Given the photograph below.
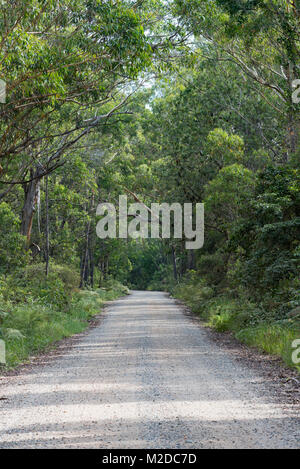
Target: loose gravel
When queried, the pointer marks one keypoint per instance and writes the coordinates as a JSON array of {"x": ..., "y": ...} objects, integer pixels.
[{"x": 147, "y": 376}]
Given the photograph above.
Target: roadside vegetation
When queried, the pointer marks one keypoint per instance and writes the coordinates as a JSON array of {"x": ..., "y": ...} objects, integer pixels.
[
  {"x": 217, "y": 122},
  {"x": 36, "y": 313},
  {"x": 257, "y": 324}
]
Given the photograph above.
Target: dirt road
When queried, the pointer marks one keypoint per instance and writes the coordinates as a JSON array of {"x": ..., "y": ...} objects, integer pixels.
[{"x": 147, "y": 376}]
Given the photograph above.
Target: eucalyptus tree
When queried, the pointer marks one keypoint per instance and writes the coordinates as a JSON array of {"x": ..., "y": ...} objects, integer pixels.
[
  {"x": 64, "y": 65},
  {"x": 262, "y": 37}
]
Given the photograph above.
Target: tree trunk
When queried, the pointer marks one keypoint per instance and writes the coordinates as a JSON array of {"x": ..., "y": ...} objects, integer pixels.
[
  {"x": 47, "y": 228},
  {"x": 174, "y": 263},
  {"x": 91, "y": 267},
  {"x": 293, "y": 114},
  {"x": 82, "y": 269},
  {"x": 293, "y": 132},
  {"x": 183, "y": 258},
  {"x": 85, "y": 260},
  {"x": 87, "y": 268},
  {"x": 191, "y": 259},
  {"x": 105, "y": 268},
  {"x": 31, "y": 192}
]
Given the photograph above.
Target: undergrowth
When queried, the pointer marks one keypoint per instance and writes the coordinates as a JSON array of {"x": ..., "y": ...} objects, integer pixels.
[
  {"x": 35, "y": 314},
  {"x": 267, "y": 329}
]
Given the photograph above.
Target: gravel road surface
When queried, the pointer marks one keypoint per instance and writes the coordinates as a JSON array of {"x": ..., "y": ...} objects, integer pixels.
[{"x": 147, "y": 376}]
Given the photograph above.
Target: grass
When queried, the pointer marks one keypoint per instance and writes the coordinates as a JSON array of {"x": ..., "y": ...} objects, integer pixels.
[
  {"x": 32, "y": 326},
  {"x": 247, "y": 321},
  {"x": 273, "y": 339}
]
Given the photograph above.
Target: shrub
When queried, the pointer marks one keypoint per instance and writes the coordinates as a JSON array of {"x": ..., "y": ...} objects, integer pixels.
[
  {"x": 69, "y": 276},
  {"x": 275, "y": 339},
  {"x": 12, "y": 252},
  {"x": 31, "y": 326},
  {"x": 253, "y": 324}
]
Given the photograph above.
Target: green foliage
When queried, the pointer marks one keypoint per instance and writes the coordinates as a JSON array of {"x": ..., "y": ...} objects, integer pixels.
[
  {"x": 30, "y": 285},
  {"x": 274, "y": 339},
  {"x": 111, "y": 289},
  {"x": 270, "y": 235},
  {"x": 194, "y": 292},
  {"x": 218, "y": 127},
  {"x": 250, "y": 323},
  {"x": 76, "y": 53},
  {"x": 213, "y": 267},
  {"x": 33, "y": 320},
  {"x": 146, "y": 258},
  {"x": 12, "y": 252},
  {"x": 227, "y": 194},
  {"x": 224, "y": 149},
  {"x": 60, "y": 276}
]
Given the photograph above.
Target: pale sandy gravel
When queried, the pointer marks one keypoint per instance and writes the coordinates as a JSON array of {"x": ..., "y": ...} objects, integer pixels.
[{"x": 146, "y": 377}]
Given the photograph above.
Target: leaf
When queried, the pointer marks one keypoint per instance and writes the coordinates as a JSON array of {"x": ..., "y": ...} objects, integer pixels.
[{"x": 13, "y": 334}]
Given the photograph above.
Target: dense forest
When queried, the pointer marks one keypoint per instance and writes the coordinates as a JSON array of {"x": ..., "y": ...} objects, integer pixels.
[{"x": 164, "y": 101}]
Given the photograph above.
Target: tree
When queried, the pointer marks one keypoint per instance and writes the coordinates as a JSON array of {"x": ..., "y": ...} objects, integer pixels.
[{"x": 262, "y": 38}]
